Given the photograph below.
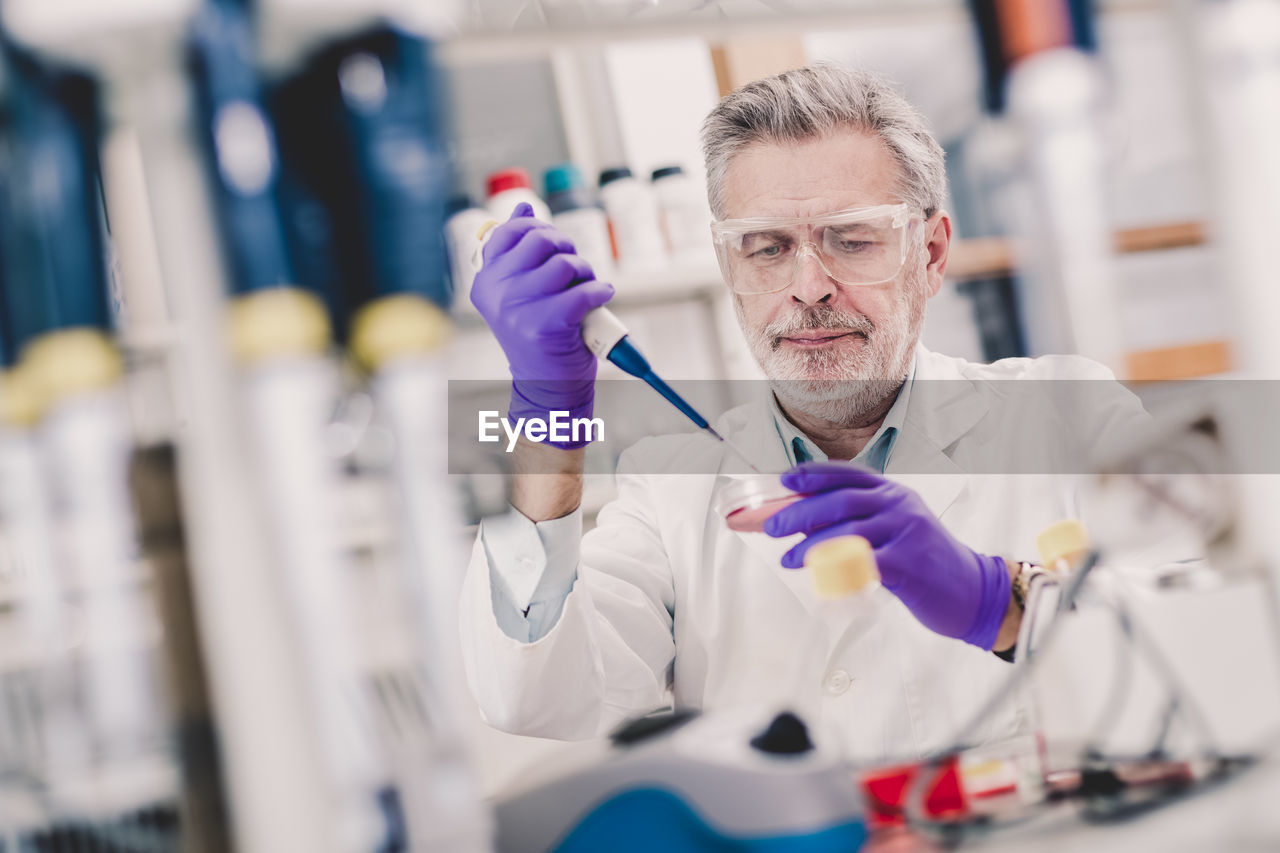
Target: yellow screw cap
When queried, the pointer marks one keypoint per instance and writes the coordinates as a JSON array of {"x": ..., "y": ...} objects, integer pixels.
[
  {"x": 392, "y": 326},
  {"x": 1063, "y": 540},
  {"x": 841, "y": 566},
  {"x": 282, "y": 321},
  {"x": 70, "y": 361}
]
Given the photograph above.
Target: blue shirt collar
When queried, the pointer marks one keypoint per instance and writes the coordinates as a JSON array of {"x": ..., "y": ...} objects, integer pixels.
[{"x": 800, "y": 448}]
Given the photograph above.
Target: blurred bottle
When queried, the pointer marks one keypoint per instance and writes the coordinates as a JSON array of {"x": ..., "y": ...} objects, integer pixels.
[
  {"x": 683, "y": 213},
  {"x": 633, "y": 221},
  {"x": 577, "y": 211},
  {"x": 461, "y": 234},
  {"x": 507, "y": 189}
]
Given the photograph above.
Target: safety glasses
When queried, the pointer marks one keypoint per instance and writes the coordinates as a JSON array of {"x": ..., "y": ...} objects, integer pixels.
[{"x": 859, "y": 246}]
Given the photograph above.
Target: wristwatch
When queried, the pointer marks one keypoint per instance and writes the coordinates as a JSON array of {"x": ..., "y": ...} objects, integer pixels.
[
  {"x": 1027, "y": 572},
  {"x": 1019, "y": 587}
]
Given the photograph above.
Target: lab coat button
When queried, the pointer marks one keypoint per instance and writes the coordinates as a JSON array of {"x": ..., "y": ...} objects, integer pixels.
[{"x": 836, "y": 682}]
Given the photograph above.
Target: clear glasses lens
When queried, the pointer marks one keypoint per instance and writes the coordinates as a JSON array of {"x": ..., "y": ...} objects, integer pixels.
[{"x": 766, "y": 260}]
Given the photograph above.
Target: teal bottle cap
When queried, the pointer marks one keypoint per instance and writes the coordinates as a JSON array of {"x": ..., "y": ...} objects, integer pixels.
[{"x": 562, "y": 177}]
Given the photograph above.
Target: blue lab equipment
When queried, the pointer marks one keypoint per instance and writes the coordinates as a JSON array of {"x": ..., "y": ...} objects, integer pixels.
[{"x": 683, "y": 782}]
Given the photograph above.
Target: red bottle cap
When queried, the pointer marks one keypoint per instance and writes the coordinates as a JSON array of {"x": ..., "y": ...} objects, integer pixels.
[
  {"x": 509, "y": 179},
  {"x": 885, "y": 788}
]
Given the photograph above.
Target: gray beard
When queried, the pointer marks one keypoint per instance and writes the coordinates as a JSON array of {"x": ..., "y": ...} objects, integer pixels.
[
  {"x": 844, "y": 389},
  {"x": 843, "y": 402}
]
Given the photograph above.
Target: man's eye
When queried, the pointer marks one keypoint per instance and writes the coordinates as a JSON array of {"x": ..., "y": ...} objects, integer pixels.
[
  {"x": 768, "y": 252},
  {"x": 854, "y": 246}
]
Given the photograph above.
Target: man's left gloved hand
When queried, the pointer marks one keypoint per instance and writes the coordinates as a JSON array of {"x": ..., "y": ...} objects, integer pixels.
[{"x": 950, "y": 588}]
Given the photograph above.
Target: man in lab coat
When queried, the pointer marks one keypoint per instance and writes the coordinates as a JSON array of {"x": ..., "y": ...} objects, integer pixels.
[{"x": 827, "y": 190}]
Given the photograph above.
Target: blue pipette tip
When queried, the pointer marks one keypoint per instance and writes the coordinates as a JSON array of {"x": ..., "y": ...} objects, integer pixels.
[{"x": 627, "y": 357}]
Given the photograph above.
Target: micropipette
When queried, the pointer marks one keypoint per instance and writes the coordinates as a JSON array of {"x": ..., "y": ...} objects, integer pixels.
[{"x": 606, "y": 337}]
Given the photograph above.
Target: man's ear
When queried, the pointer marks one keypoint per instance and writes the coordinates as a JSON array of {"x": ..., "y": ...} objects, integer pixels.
[{"x": 937, "y": 236}]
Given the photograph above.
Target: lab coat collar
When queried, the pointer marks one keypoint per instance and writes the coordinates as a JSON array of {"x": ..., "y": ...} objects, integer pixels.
[
  {"x": 751, "y": 428},
  {"x": 945, "y": 406}
]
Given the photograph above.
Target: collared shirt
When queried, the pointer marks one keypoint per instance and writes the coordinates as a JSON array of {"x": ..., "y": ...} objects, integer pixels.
[
  {"x": 533, "y": 566},
  {"x": 801, "y": 448}
]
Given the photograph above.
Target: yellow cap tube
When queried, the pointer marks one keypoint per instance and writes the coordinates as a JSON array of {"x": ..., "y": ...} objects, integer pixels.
[
  {"x": 842, "y": 566},
  {"x": 1065, "y": 541}
]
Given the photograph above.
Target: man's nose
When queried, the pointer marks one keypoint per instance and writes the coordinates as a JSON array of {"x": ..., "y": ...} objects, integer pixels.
[{"x": 811, "y": 285}]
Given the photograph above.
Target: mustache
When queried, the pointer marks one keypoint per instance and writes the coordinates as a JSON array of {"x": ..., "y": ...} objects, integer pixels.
[{"x": 818, "y": 317}]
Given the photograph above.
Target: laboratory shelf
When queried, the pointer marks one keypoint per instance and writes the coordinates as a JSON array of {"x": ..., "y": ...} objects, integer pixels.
[{"x": 984, "y": 257}]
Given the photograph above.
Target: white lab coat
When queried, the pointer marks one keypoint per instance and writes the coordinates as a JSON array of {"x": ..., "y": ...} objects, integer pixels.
[{"x": 671, "y": 605}]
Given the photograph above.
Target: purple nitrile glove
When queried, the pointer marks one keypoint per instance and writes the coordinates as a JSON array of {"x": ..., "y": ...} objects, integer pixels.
[
  {"x": 951, "y": 589},
  {"x": 533, "y": 290}
]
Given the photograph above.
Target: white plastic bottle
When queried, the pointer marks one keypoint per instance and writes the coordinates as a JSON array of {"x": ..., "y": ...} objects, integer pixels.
[
  {"x": 576, "y": 211},
  {"x": 508, "y": 188},
  {"x": 684, "y": 215},
  {"x": 461, "y": 234},
  {"x": 633, "y": 222}
]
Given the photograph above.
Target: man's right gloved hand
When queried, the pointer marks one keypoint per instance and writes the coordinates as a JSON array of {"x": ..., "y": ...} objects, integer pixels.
[{"x": 533, "y": 290}]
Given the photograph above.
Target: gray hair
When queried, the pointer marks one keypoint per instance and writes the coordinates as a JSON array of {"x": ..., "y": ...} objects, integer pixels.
[{"x": 806, "y": 103}]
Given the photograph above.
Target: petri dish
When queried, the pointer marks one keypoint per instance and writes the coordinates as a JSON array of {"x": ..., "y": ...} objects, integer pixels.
[{"x": 745, "y": 504}]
